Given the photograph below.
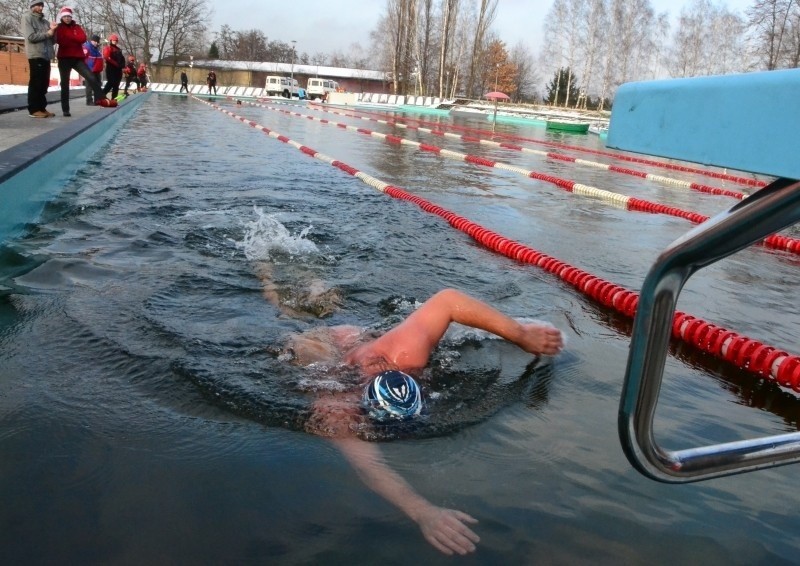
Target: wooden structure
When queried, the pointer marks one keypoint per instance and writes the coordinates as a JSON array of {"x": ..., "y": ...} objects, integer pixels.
[{"x": 13, "y": 61}]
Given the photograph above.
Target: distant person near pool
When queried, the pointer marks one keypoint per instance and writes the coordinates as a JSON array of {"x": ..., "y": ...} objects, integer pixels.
[
  {"x": 141, "y": 74},
  {"x": 94, "y": 60},
  {"x": 386, "y": 364},
  {"x": 38, "y": 34},
  {"x": 70, "y": 38},
  {"x": 211, "y": 81},
  {"x": 184, "y": 82},
  {"x": 115, "y": 62},
  {"x": 130, "y": 74}
]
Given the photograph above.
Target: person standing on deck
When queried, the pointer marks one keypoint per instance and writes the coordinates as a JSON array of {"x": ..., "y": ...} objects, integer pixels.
[
  {"x": 94, "y": 60},
  {"x": 70, "y": 38},
  {"x": 115, "y": 62},
  {"x": 141, "y": 74},
  {"x": 130, "y": 74},
  {"x": 38, "y": 34},
  {"x": 184, "y": 82}
]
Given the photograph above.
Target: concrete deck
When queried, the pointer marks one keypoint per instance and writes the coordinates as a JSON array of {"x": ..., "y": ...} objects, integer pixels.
[{"x": 16, "y": 126}]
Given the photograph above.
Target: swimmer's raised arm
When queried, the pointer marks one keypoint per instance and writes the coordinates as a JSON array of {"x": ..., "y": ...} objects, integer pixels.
[
  {"x": 411, "y": 343},
  {"x": 445, "y": 529}
]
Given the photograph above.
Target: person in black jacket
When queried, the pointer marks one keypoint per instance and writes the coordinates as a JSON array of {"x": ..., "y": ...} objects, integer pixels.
[
  {"x": 115, "y": 61},
  {"x": 130, "y": 74},
  {"x": 184, "y": 82}
]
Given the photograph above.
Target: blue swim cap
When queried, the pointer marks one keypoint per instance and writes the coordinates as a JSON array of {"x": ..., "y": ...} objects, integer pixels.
[{"x": 393, "y": 394}]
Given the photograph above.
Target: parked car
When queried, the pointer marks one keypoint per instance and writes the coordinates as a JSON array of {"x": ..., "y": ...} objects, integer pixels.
[
  {"x": 319, "y": 88},
  {"x": 282, "y": 86}
]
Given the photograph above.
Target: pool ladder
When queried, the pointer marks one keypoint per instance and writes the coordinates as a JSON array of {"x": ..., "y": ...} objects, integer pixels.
[{"x": 769, "y": 210}]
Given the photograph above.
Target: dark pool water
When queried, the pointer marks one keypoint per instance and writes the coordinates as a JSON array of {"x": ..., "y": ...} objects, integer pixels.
[{"x": 145, "y": 418}]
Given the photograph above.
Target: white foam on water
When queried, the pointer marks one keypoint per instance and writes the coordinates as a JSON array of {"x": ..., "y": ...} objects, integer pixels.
[{"x": 266, "y": 236}]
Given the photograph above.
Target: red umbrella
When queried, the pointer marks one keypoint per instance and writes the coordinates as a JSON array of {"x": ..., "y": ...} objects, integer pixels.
[{"x": 496, "y": 95}]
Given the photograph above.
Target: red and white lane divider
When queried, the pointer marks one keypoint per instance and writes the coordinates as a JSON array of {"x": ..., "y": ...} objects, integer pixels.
[
  {"x": 631, "y": 159},
  {"x": 774, "y": 241},
  {"x": 669, "y": 181},
  {"x": 765, "y": 361}
]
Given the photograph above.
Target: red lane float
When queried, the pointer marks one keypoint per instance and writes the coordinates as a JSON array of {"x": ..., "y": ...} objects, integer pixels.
[
  {"x": 775, "y": 241},
  {"x": 631, "y": 159},
  {"x": 764, "y": 361},
  {"x": 550, "y": 155}
]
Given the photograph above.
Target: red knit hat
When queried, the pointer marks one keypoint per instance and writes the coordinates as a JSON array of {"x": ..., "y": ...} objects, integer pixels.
[{"x": 65, "y": 11}]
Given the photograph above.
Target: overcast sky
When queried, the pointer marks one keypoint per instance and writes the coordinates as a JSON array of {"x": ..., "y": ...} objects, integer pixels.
[{"x": 334, "y": 25}]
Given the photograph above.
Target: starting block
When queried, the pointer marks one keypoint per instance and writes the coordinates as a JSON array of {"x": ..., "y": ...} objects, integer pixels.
[{"x": 748, "y": 122}]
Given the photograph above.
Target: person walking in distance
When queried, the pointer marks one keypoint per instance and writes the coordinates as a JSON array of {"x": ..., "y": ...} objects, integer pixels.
[
  {"x": 115, "y": 61},
  {"x": 94, "y": 60},
  {"x": 38, "y": 34},
  {"x": 184, "y": 82},
  {"x": 70, "y": 38},
  {"x": 211, "y": 81}
]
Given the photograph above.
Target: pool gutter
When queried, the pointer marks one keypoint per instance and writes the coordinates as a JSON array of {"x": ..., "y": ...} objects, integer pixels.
[{"x": 35, "y": 171}]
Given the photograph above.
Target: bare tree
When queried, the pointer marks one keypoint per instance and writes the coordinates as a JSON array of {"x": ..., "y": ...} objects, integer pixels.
[
  {"x": 486, "y": 15},
  {"x": 448, "y": 19},
  {"x": 769, "y": 21},
  {"x": 525, "y": 77},
  {"x": 155, "y": 29},
  {"x": 423, "y": 45},
  {"x": 555, "y": 31},
  {"x": 11, "y": 14},
  {"x": 793, "y": 39},
  {"x": 400, "y": 26},
  {"x": 591, "y": 28}
]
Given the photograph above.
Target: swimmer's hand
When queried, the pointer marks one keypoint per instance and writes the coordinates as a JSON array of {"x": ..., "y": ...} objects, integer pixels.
[
  {"x": 540, "y": 339},
  {"x": 446, "y": 530}
]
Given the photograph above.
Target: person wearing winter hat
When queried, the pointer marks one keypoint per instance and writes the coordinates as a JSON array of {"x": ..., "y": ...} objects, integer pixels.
[
  {"x": 129, "y": 70},
  {"x": 115, "y": 62},
  {"x": 70, "y": 38},
  {"x": 38, "y": 34},
  {"x": 94, "y": 61}
]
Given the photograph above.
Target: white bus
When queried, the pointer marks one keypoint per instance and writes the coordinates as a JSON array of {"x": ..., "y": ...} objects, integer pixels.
[
  {"x": 282, "y": 86},
  {"x": 319, "y": 88}
]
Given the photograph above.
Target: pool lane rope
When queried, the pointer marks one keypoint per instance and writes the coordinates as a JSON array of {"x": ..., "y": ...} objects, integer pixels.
[
  {"x": 765, "y": 361},
  {"x": 631, "y": 159},
  {"x": 775, "y": 241},
  {"x": 669, "y": 181}
]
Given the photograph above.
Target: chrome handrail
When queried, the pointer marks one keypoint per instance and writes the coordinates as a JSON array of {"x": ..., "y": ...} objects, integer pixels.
[{"x": 769, "y": 210}]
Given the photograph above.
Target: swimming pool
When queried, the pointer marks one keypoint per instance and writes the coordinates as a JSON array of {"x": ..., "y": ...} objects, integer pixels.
[{"x": 144, "y": 417}]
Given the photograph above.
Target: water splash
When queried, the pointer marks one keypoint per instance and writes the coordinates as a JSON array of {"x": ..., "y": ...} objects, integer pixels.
[{"x": 265, "y": 237}]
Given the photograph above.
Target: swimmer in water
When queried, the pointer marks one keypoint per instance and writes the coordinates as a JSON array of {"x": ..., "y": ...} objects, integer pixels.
[{"x": 386, "y": 365}]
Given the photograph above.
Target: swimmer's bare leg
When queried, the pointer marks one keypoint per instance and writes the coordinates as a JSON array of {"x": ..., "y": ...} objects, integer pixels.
[{"x": 302, "y": 300}]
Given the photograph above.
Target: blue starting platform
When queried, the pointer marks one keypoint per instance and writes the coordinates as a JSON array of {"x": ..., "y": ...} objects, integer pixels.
[{"x": 748, "y": 122}]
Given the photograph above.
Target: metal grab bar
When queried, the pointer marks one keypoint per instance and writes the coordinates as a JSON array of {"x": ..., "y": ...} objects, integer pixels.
[{"x": 769, "y": 210}]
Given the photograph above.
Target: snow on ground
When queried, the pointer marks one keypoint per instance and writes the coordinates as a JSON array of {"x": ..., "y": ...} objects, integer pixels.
[
  {"x": 23, "y": 89},
  {"x": 13, "y": 89}
]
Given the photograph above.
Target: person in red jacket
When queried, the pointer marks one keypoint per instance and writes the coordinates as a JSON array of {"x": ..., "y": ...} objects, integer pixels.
[
  {"x": 141, "y": 74},
  {"x": 70, "y": 38},
  {"x": 115, "y": 62},
  {"x": 94, "y": 60}
]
